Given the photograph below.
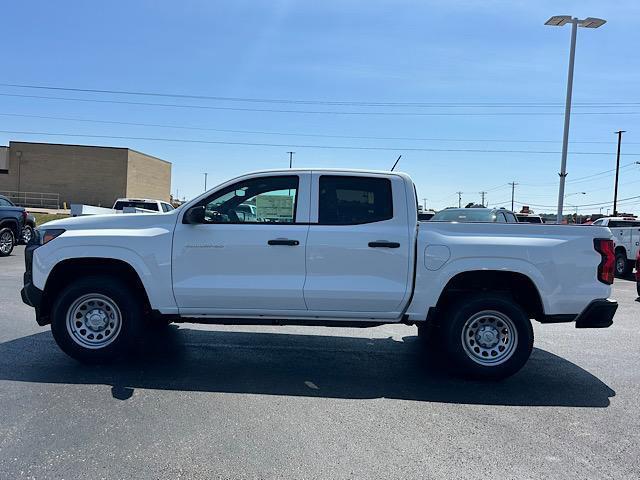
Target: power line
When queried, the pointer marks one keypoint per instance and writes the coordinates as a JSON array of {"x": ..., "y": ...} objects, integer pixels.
[
  {"x": 586, "y": 178},
  {"x": 296, "y": 134},
  {"x": 313, "y": 102},
  {"x": 262, "y": 144},
  {"x": 314, "y": 112},
  {"x": 582, "y": 205}
]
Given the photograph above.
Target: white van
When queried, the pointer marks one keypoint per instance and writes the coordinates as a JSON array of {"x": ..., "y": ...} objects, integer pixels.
[{"x": 626, "y": 231}]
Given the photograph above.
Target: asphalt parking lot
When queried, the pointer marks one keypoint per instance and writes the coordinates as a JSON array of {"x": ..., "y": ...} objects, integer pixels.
[{"x": 293, "y": 402}]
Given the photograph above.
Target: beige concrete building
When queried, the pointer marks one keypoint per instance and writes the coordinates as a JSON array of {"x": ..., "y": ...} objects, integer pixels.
[{"x": 81, "y": 174}]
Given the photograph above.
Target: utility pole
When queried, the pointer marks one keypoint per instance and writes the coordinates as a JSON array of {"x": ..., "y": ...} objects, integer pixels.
[
  {"x": 513, "y": 191},
  {"x": 290, "y": 158},
  {"x": 205, "y": 181},
  {"x": 424, "y": 204},
  {"x": 615, "y": 191},
  {"x": 483, "y": 194},
  {"x": 459, "y": 199}
]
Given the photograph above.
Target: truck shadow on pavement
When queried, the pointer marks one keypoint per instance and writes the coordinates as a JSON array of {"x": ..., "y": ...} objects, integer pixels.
[{"x": 186, "y": 359}]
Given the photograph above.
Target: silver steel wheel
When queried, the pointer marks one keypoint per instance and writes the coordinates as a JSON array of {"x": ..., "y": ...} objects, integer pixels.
[
  {"x": 27, "y": 234},
  {"x": 489, "y": 338},
  {"x": 6, "y": 242},
  {"x": 94, "y": 321},
  {"x": 621, "y": 264}
]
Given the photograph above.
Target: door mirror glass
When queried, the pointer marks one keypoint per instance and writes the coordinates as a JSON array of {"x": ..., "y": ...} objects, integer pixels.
[{"x": 194, "y": 215}]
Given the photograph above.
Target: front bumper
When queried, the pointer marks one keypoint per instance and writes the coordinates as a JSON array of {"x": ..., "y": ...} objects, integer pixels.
[
  {"x": 31, "y": 295},
  {"x": 598, "y": 314}
]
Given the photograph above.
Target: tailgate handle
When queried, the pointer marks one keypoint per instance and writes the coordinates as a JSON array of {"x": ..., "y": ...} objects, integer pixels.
[
  {"x": 284, "y": 241},
  {"x": 384, "y": 244}
]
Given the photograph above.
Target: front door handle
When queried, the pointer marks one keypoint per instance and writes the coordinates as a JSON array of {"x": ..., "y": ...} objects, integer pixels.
[
  {"x": 384, "y": 244},
  {"x": 284, "y": 241}
]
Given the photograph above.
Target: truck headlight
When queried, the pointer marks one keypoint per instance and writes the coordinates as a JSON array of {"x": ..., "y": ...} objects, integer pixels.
[{"x": 46, "y": 235}]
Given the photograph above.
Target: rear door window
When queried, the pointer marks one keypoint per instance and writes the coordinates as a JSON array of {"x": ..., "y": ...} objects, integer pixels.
[{"x": 351, "y": 200}]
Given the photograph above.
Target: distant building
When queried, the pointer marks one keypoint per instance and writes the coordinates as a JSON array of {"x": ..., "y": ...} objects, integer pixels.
[{"x": 38, "y": 173}]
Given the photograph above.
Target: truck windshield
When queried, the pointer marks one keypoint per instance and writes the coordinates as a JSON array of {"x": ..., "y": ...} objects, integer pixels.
[{"x": 120, "y": 204}]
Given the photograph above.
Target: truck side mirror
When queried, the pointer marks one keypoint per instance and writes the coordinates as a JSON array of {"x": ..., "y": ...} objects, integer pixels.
[{"x": 194, "y": 215}]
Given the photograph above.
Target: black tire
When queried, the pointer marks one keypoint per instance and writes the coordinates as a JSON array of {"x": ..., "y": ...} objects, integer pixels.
[
  {"x": 462, "y": 330},
  {"x": 429, "y": 335},
  {"x": 7, "y": 242},
  {"x": 27, "y": 234},
  {"x": 108, "y": 289},
  {"x": 622, "y": 265}
]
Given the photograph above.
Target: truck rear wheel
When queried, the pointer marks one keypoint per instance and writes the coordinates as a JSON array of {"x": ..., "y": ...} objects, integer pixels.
[
  {"x": 96, "y": 319},
  {"x": 487, "y": 336},
  {"x": 7, "y": 242},
  {"x": 623, "y": 267}
]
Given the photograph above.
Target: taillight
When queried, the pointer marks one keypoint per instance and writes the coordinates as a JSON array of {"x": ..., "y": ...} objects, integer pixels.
[{"x": 605, "y": 248}]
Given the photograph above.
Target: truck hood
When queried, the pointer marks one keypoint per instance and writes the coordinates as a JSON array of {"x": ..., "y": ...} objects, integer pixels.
[{"x": 115, "y": 221}]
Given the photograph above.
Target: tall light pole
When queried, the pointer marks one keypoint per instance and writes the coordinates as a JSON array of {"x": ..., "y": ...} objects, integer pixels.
[
  {"x": 291, "y": 158},
  {"x": 459, "y": 199},
  {"x": 483, "y": 195},
  {"x": 560, "y": 21},
  {"x": 205, "y": 181},
  {"x": 615, "y": 191}
]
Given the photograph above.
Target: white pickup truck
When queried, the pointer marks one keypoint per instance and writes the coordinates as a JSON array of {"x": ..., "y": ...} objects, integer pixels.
[
  {"x": 323, "y": 247},
  {"x": 626, "y": 234}
]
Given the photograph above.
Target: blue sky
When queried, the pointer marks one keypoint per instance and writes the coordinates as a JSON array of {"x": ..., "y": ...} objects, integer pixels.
[{"x": 353, "y": 51}]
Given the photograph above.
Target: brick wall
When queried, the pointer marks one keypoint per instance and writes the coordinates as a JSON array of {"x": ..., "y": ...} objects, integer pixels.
[{"x": 148, "y": 177}]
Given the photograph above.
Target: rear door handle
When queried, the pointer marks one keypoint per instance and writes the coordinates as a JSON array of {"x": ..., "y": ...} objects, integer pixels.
[
  {"x": 284, "y": 241},
  {"x": 384, "y": 244}
]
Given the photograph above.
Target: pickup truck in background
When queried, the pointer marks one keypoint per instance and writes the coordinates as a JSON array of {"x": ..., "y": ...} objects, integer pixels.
[
  {"x": 142, "y": 203},
  {"x": 12, "y": 221},
  {"x": 626, "y": 234},
  {"x": 123, "y": 205},
  {"x": 325, "y": 247}
]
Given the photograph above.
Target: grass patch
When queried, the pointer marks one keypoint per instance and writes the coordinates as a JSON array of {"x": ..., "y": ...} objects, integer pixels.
[{"x": 47, "y": 217}]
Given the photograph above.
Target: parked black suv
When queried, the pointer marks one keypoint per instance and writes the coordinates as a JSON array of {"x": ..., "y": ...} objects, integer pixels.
[{"x": 12, "y": 221}]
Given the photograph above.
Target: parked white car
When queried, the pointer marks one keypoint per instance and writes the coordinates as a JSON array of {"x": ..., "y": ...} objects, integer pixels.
[
  {"x": 326, "y": 247},
  {"x": 626, "y": 233}
]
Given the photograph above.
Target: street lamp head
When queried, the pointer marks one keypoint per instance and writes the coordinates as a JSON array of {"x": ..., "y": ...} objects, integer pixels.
[
  {"x": 562, "y": 20},
  {"x": 591, "y": 22},
  {"x": 558, "y": 20}
]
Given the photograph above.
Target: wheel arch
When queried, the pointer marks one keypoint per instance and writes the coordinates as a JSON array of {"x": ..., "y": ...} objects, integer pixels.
[
  {"x": 67, "y": 270},
  {"x": 517, "y": 285},
  {"x": 12, "y": 224}
]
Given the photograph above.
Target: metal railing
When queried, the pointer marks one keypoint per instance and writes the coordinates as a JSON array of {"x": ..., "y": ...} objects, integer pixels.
[{"x": 34, "y": 199}]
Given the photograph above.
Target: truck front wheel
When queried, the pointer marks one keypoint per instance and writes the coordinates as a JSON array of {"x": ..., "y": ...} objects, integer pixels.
[
  {"x": 487, "y": 336},
  {"x": 96, "y": 319}
]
